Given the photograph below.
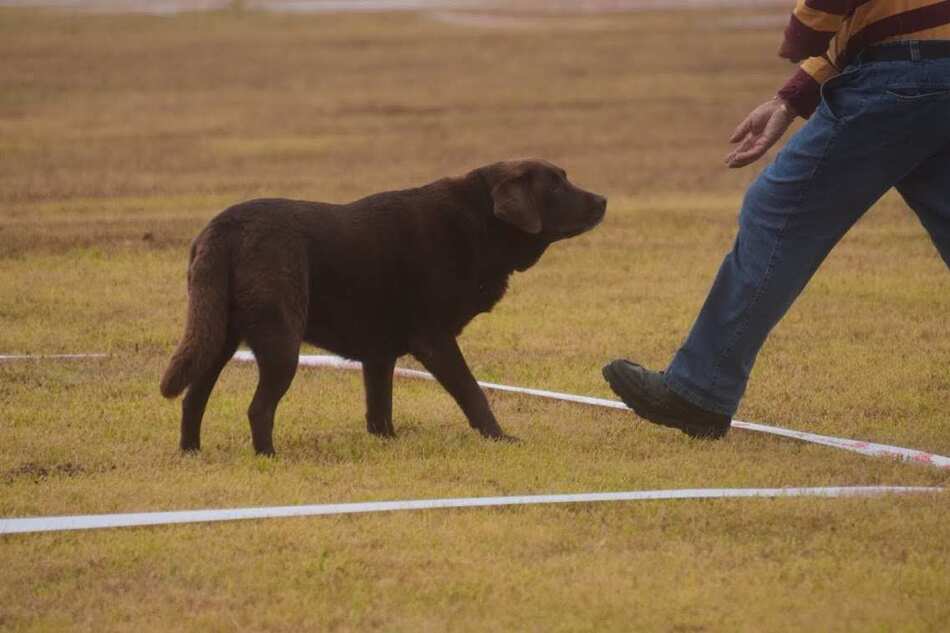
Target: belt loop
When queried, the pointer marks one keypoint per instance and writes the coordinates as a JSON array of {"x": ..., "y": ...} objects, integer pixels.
[{"x": 915, "y": 50}]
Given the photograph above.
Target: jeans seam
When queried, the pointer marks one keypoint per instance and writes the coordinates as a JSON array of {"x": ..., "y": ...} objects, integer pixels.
[
  {"x": 747, "y": 315},
  {"x": 773, "y": 259}
]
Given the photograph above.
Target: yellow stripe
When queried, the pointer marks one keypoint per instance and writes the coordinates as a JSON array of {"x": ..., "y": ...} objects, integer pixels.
[
  {"x": 877, "y": 10},
  {"x": 819, "y": 68},
  {"x": 838, "y": 44}
]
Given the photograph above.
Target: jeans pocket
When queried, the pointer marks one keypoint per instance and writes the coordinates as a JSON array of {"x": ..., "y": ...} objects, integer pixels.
[{"x": 834, "y": 104}]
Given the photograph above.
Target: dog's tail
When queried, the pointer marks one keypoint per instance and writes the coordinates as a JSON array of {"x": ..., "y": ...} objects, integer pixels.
[{"x": 207, "y": 321}]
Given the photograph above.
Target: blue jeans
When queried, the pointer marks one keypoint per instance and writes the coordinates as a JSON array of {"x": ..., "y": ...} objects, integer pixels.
[{"x": 879, "y": 125}]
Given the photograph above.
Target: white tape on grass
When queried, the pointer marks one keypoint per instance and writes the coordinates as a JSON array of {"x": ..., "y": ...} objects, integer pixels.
[
  {"x": 864, "y": 448},
  {"x": 99, "y": 521}
]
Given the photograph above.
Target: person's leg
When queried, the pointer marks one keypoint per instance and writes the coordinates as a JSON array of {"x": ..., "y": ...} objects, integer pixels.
[
  {"x": 862, "y": 141},
  {"x": 792, "y": 216},
  {"x": 927, "y": 192}
]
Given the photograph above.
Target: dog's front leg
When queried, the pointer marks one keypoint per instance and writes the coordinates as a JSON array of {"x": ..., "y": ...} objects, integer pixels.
[
  {"x": 378, "y": 383},
  {"x": 443, "y": 358}
]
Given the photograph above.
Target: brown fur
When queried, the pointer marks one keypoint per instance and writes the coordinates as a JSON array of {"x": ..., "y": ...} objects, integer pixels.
[{"x": 394, "y": 273}]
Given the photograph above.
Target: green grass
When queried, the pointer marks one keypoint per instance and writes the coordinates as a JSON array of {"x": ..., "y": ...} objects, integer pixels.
[{"x": 120, "y": 136}]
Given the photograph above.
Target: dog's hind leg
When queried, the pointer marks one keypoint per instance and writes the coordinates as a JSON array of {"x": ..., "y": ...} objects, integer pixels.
[
  {"x": 378, "y": 383},
  {"x": 195, "y": 401},
  {"x": 276, "y": 347}
]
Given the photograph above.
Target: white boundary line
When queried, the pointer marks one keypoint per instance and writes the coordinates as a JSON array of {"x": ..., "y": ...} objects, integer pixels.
[
  {"x": 99, "y": 521},
  {"x": 30, "y": 525},
  {"x": 864, "y": 448},
  {"x": 871, "y": 449}
]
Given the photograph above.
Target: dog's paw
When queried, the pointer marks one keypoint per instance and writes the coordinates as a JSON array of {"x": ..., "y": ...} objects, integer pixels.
[{"x": 501, "y": 436}]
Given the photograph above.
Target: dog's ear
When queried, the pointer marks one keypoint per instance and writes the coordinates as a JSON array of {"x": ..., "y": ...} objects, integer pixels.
[{"x": 514, "y": 203}]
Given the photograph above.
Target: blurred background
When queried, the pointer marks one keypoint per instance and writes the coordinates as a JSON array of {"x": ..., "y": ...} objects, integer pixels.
[{"x": 335, "y": 99}]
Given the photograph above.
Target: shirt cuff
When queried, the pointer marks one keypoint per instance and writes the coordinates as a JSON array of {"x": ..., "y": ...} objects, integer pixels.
[
  {"x": 803, "y": 90},
  {"x": 802, "y": 93}
]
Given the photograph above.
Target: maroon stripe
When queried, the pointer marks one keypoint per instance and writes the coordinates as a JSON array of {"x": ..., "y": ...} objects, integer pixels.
[
  {"x": 802, "y": 93},
  {"x": 911, "y": 21},
  {"x": 802, "y": 41},
  {"x": 834, "y": 7}
]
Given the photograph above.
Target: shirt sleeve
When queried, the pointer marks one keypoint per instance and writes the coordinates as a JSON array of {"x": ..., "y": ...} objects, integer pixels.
[
  {"x": 812, "y": 26},
  {"x": 803, "y": 90}
]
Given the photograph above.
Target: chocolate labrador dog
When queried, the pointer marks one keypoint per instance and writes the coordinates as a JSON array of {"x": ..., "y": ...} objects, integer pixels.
[{"x": 395, "y": 273}]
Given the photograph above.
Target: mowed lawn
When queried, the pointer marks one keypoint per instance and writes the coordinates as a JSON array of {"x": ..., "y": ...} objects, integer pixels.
[{"x": 120, "y": 136}]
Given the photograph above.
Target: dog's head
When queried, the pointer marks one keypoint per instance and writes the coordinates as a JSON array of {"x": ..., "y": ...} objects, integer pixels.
[{"x": 536, "y": 197}]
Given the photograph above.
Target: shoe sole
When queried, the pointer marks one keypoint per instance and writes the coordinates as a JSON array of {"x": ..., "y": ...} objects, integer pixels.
[{"x": 620, "y": 385}]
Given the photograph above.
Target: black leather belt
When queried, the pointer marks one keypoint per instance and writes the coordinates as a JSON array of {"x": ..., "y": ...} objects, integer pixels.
[{"x": 906, "y": 51}]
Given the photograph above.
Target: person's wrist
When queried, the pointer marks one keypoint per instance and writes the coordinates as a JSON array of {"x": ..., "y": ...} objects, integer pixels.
[{"x": 785, "y": 106}]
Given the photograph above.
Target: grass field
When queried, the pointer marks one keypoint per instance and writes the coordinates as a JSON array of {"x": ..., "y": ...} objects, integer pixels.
[{"x": 120, "y": 136}]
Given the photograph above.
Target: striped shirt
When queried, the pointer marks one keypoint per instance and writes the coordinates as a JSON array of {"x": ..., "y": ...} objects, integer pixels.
[{"x": 826, "y": 35}]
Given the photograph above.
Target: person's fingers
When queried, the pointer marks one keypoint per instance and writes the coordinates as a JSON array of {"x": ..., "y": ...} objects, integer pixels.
[
  {"x": 741, "y": 160},
  {"x": 755, "y": 146},
  {"x": 744, "y": 145},
  {"x": 735, "y": 149},
  {"x": 750, "y": 125},
  {"x": 743, "y": 157},
  {"x": 742, "y": 130},
  {"x": 752, "y": 153},
  {"x": 757, "y": 121},
  {"x": 748, "y": 143}
]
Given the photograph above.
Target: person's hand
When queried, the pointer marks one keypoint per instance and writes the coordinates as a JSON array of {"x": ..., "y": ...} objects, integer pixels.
[{"x": 759, "y": 131}]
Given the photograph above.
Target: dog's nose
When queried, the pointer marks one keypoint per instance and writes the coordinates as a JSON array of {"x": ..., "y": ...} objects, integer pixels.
[{"x": 601, "y": 203}]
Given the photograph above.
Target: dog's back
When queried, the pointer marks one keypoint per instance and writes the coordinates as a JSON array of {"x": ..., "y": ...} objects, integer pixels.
[{"x": 362, "y": 278}]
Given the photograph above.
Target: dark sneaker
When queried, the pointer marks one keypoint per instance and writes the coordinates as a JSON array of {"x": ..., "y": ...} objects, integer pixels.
[{"x": 646, "y": 393}]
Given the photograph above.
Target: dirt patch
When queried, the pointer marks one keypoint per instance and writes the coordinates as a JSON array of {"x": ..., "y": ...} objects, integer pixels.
[{"x": 37, "y": 472}]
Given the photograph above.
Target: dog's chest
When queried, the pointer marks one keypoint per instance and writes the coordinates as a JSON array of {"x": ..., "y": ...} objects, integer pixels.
[
  {"x": 481, "y": 298},
  {"x": 489, "y": 292}
]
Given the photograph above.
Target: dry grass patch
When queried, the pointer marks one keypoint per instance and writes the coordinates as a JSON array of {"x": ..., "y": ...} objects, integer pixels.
[{"x": 121, "y": 135}]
